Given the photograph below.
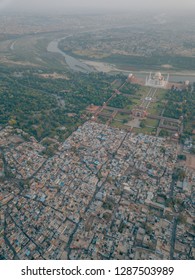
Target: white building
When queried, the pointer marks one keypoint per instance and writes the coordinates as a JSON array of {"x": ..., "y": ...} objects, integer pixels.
[{"x": 157, "y": 80}]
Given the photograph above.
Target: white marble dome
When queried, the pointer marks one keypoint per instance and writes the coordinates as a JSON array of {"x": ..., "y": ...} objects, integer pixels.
[{"x": 158, "y": 75}]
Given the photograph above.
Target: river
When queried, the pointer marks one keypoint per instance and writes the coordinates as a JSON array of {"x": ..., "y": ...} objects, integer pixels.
[
  {"x": 77, "y": 65},
  {"x": 72, "y": 62}
]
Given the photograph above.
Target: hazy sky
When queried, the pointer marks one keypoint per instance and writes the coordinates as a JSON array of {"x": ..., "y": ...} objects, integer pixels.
[{"x": 63, "y": 5}]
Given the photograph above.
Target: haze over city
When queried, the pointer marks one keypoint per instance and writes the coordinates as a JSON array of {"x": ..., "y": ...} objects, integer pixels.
[{"x": 87, "y": 5}]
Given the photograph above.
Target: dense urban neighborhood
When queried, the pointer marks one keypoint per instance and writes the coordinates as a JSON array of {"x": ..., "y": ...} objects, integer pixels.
[{"x": 105, "y": 194}]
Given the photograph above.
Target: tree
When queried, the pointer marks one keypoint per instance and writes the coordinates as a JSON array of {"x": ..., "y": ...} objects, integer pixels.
[
  {"x": 179, "y": 174},
  {"x": 12, "y": 122},
  {"x": 142, "y": 124},
  {"x": 124, "y": 121},
  {"x": 181, "y": 157}
]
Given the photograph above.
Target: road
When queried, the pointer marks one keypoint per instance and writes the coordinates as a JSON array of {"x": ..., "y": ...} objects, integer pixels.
[
  {"x": 149, "y": 97},
  {"x": 173, "y": 237}
]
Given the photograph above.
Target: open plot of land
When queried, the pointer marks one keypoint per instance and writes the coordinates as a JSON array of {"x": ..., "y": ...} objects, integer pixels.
[
  {"x": 190, "y": 161},
  {"x": 31, "y": 50},
  {"x": 92, "y": 108},
  {"x": 54, "y": 76},
  {"x": 134, "y": 123},
  {"x": 99, "y": 66}
]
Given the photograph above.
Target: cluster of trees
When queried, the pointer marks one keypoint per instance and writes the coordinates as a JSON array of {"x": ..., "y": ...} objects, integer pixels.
[
  {"x": 16, "y": 102},
  {"x": 130, "y": 89},
  {"x": 78, "y": 89},
  {"x": 164, "y": 133},
  {"x": 182, "y": 104},
  {"x": 40, "y": 106},
  {"x": 120, "y": 101},
  {"x": 173, "y": 110},
  {"x": 178, "y": 174},
  {"x": 181, "y": 157}
]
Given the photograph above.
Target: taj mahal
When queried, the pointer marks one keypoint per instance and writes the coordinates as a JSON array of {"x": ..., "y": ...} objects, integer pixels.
[{"x": 157, "y": 80}]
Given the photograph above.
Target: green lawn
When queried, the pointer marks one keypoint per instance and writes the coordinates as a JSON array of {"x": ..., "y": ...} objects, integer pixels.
[
  {"x": 135, "y": 102},
  {"x": 160, "y": 95},
  {"x": 145, "y": 130},
  {"x": 151, "y": 122},
  {"x": 155, "y": 109},
  {"x": 116, "y": 84},
  {"x": 103, "y": 119},
  {"x": 107, "y": 111},
  {"x": 118, "y": 124},
  {"x": 122, "y": 116},
  {"x": 142, "y": 91}
]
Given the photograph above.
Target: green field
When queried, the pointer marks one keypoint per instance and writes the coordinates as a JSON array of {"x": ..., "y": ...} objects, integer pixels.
[
  {"x": 118, "y": 124},
  {"x": 155, "y": 109},
  {"x": 151, "y": 122},
  {"x": 122, "y": 117},
  {"x": 142, "y": 91},
  {"x": 145, "y": 130},
  {"x": 107, "y": 111},
  {"x": 161, "y": 94},
  {"x": 103, "y": 119}
]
